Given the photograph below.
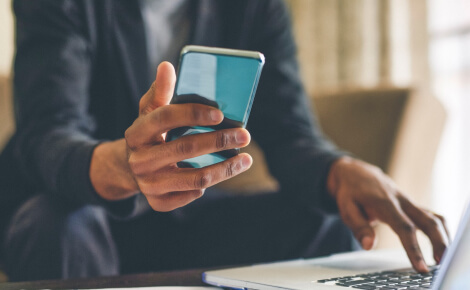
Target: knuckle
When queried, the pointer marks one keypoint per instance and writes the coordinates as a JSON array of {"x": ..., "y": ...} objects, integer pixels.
[
  {"x": 184, "y": 148},
  {"x": 202, "y": 180},
  {"x": 432, "y": 223},
  {"x": 127, "y": 134},
  {"x": 417, "y": 258},
  {"x": 415, "y": 247},
  {"x": 158, "y": 118},
  {"x": 164, "y": 152},
  {"x": 150, "y": 188},
  {"x": 196, "y": 113},
  {"x": 222, "y": 140},
  {"x": 384, "y": 201},
  {"x": 407, "y": 228},
  {"x": 134, "y": 164},
  {"x": 230, "y": 169},
  {"x": 128, "y": 137},
  {"x": 161, "y": 116}
]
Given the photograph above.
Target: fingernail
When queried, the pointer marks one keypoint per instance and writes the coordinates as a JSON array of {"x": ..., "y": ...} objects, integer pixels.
[
  {"x": 246, "y": 161},
  {"x": 241, "y": 137},
  {"x": 367, "y": 242},
  {"x": 437, "y": 259},
  {"x": 216, "y": 115}
]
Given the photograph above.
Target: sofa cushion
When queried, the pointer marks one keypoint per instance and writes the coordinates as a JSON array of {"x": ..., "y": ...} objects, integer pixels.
[
  {"x": 362, "y": 122},
  {"x": 6, "y": 111}
]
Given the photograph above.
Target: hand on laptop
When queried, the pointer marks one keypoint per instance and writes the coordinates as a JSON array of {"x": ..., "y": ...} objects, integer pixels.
[{"x": 365, "y": 194}]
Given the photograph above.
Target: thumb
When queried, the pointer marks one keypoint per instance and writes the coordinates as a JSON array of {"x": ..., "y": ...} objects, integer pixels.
[
  {"x": 354, "y": 218},
  {"x": 161, "y": 91}
]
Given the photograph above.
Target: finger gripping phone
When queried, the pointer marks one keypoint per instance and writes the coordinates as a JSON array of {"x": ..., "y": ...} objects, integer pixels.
[{"x": 222, "y": 78}]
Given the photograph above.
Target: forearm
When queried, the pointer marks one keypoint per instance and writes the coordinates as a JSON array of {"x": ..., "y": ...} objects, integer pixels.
[{"x": 109, "y": 171}]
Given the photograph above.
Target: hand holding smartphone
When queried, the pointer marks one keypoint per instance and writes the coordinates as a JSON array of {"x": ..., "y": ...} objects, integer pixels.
[{"x": 222, "y": 78}]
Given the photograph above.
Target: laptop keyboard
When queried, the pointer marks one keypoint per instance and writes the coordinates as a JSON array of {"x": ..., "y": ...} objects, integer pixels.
[{"x": 398, "y": 279}]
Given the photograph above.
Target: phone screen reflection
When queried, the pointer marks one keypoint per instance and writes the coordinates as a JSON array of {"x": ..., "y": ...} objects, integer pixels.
[{"x": 223, "y": 81}]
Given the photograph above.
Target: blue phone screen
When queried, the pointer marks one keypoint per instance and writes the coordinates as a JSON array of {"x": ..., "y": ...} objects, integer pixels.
[{"x": 222, "y": 81}]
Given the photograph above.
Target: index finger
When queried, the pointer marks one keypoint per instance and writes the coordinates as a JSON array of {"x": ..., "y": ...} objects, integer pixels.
[
  {"x": 406, "y": 231},
  {"x": 430, "y": 224},
  {"x": 149, "y": 129}
]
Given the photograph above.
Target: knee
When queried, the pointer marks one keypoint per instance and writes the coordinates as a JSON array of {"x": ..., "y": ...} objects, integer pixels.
[
  {"x": 44, "y": 216},
  {"x": 88, "y": 248},
  {"x": 84, "y": 228},
  {"x": 40, "y": 217},
  {"x": 43, "y": 233},
  {"x": 34, "y": 234}
]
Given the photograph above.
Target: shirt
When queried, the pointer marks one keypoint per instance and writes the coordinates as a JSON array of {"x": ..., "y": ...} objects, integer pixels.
[{"x": 167, "y": 25}]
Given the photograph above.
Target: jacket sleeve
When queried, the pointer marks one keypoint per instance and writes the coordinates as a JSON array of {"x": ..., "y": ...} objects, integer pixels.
[
  {"x": 52, "y": 72},
  {"x": 298, "y": 154}
]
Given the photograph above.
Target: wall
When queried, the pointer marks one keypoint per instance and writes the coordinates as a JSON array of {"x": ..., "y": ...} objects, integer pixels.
[
  {"x": 6, "y": 35},
  {"x": 361, "y": 43},
  {"x": 6, "y": 55}
]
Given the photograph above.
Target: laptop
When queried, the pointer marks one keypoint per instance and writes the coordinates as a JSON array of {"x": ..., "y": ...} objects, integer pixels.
[{"x": 375, "y": 269}]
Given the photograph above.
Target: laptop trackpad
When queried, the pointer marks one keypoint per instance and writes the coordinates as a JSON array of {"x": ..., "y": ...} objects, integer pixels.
[{"x": 365, "y": 261}]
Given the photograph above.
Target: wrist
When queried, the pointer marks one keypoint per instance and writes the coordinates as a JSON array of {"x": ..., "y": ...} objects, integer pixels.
[
  {"x": 110, "y": 174},
  {"x": 350, "y": 173},
  {"x": 334, "y": 175}
]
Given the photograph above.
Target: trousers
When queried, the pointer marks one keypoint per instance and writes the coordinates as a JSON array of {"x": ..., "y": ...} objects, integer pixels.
[{"x": 49, "y": 240}]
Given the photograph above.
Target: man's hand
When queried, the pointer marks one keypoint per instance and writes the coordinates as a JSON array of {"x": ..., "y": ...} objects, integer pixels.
[
  {"x": 147, "y": 164},
  {"x": 365, "y": 194}
]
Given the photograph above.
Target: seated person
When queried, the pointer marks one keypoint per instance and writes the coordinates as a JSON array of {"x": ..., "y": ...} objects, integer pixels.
[{"x": 97, "y": 188}]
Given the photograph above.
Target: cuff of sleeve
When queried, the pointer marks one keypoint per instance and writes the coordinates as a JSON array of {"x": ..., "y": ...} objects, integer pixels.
[
  {"x": 74, "y": 182},
  {"x": 327, "y": 201},
  {"x": 309, "y": 181}
]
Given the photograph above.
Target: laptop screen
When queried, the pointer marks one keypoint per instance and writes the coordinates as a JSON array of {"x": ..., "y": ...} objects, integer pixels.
[{"x": 455, "y": 271}]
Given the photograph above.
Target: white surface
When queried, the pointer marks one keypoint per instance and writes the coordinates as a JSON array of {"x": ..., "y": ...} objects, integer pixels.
[{"x": 162, "y": 288}]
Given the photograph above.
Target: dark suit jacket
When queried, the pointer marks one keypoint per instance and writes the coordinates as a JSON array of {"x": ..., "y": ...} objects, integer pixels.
[{"x": 81, "y": 68}]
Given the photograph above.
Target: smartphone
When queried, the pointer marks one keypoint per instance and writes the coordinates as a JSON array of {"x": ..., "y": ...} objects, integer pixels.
[{"x": 222, "y": 78}]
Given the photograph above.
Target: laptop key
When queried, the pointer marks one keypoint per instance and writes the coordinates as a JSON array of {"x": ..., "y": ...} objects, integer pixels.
[
  {"x": 353, "y": 282},
  {"x": 365, "y": 286},
  {"x": 327, "y": 280},
  {"x": 399, "y": 279}
]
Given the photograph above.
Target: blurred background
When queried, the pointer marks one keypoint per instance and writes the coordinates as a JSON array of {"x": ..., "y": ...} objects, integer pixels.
[
  {"x": 423, "y": 45},
  {"x": 390, "y": 81}
]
